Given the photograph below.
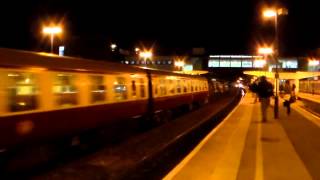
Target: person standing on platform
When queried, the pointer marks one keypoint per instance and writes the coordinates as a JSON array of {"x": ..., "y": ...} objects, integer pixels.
[
  {"x": 264, "y": 91},
  {"x": 289, "y": 96}
]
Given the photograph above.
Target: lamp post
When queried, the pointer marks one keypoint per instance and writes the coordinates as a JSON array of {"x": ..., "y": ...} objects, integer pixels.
[
  {"x": 274, "y": 13},
  {"x": 52, "y": 31}
]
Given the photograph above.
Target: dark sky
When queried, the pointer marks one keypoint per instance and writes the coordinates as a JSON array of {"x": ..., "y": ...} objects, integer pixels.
[{"x": 221, "y": 26}]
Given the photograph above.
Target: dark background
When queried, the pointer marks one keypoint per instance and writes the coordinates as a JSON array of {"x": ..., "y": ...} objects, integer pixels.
[{"x": 170, "y": 27}]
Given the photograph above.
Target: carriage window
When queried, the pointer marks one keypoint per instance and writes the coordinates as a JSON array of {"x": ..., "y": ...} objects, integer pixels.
[
  {"x": 172, "y": 89},
  {"x": 22, "y": 92},
  {"x": 98, "y": 89},
  {"x": 133, "y": 88},
  {"x": 163, "y": 90},
  {"x": 65, "y": 90},
  {"x": 178, "y": 87},
  {"x": 184, "y": 86},
  {"x": 142, "y": 89},
  {"x": 120, "y": 89}
]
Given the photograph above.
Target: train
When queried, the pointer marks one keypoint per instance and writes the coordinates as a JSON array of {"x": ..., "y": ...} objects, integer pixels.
[
  {"x": 45, "y": 96},
  {"x": 309, "y": 85}
]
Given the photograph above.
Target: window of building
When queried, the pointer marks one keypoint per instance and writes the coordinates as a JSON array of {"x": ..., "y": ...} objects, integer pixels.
[{"x": 23, "y": 91}]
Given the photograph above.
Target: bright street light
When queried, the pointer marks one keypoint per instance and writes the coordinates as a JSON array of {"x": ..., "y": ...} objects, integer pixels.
[
  {"x": 265, "y": 51},
  {"x": 52, "y": 31},
  {"x": 269, "y": 13},
  {"x": 314, "y": 62},
  {"x": 146, "y": 54},
  {"x": 113, "y": 47},
  {"x": 179, "y": 64}
]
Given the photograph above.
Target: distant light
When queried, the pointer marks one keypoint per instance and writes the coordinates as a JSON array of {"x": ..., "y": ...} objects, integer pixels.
[
  {"x": 27, "y": 80},
  {"x": 259, "y": 63},
  {"x": 52, "y": 30},
  {"x": 314, "y": 62},
  {"x": 137, "y": 49},
  {"x": 61, "y": 50},
  {"x": 22, "y": 103},
  {"x": 113, "y": 47},
  {"x": 265, "y": 51},
  {"x": 269, "y": 13},
  {"x": 146, "y": 54},
  {"x": 179, "y": 63}
]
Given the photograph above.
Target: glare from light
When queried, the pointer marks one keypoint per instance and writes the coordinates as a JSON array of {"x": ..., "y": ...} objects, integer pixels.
[
  {"x": 265, "y": 51},
  {"x": 137, "y": 49},
  {"x": 52, "y": 30},
  {"x": 179, "y": 63},
  {"x": 269, "y": 13},
  {"x": 113, "y": 47},
  {"x": 27, "y": 80},
  {"x": 314, "y": 62},
  {"x": 146, "y": 54},
  {"x": 259, "y": 63}
]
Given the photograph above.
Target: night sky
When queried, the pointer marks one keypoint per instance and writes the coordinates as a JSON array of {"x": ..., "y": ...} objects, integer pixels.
[{"x": 228, "y": 26}]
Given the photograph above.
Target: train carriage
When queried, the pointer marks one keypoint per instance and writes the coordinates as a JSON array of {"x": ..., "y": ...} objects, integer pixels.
[{"x": 44, "y": 96}]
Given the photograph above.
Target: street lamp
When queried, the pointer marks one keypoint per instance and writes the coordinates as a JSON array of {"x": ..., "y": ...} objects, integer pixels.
[
  {"x": 314, "y": 64},
  {"x": 52, "y": 31},
  {"x": 274, "y": 13},
  {"x": 179, "y": 64},
  {"x": 113, "y": 47},
  {"x": 145, "y": 55}
]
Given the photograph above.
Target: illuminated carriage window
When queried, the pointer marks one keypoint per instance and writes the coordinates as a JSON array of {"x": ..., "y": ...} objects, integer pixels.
[
  {"x": 142, "y": 89},
  {"x": 22, "y": 92},
  {"x": 184, "y": 86},
  {"x": 120, "y": 89},
  {"x": 134, "y": 88},
  {"x": 155, "y": 87},
  {"x": 65, "y": 90},
  {"x": 172, "y": 88},
  {"x": 196, "y": 86},
  {"x": 192, "y": 82},
  {"x": 163, "y": 89},
  {"x": 179, "y": 86},
  {"x": 98, "y": 89}
]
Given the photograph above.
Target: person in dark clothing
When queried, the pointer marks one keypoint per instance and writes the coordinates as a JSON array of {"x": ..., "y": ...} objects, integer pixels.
[
  {"x": 289, "y": 96},
  {"x": 264, "y": 91}
]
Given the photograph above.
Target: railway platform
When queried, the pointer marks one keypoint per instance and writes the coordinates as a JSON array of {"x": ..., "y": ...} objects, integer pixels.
[{"x": 242, "y": 147}]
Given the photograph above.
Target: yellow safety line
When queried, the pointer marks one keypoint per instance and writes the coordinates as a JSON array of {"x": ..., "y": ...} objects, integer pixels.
[
  {"x": 198, "y": 147},
  {"x": 308, "y": 115},
  {"x": 259, "y": 157}
]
